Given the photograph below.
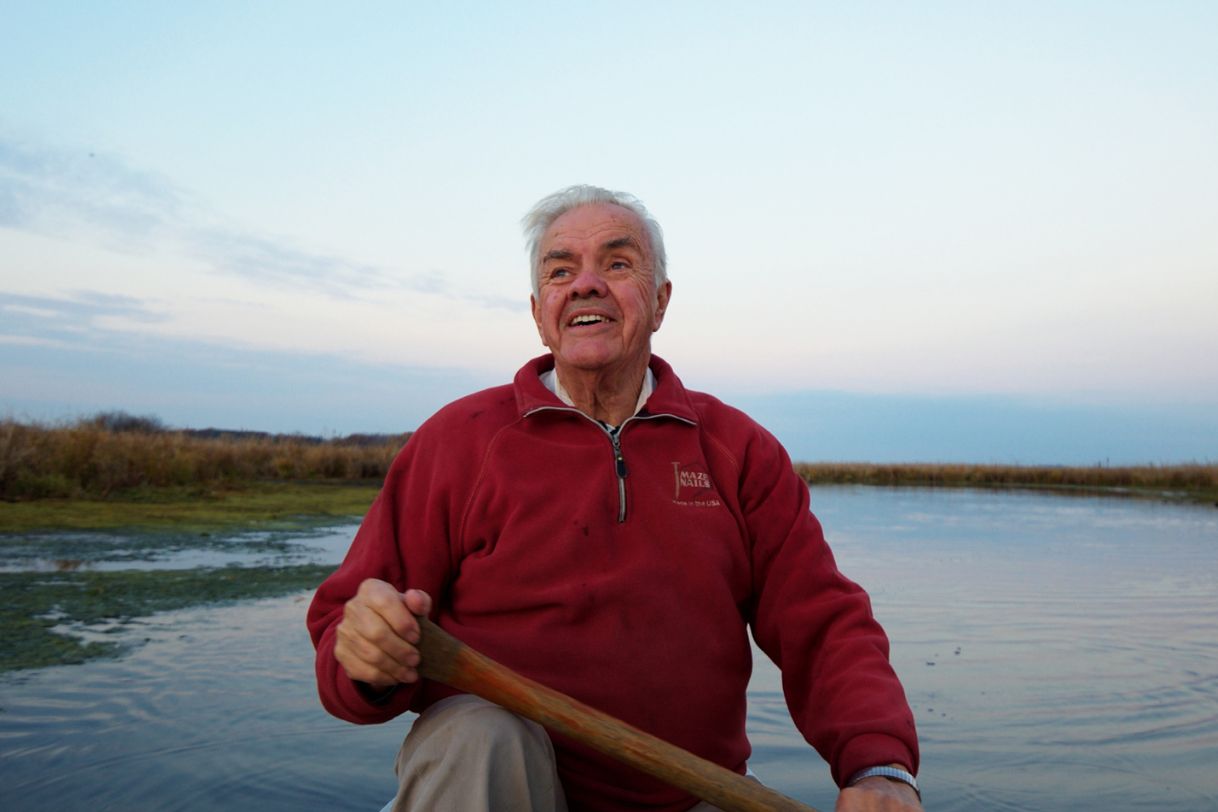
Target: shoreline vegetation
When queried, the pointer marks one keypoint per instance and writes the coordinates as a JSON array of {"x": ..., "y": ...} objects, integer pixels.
[
  {"x": 118, "y": 470},
  {"x": 1192, "y": 482},
  {"x": 133, "y": 482}
]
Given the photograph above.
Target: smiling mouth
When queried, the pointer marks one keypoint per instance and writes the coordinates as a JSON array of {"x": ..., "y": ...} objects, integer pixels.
[{"x": 588, "y": 319}]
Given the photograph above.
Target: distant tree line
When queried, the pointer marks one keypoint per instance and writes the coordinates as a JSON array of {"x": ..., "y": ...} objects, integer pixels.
[{"x": 112, "y": 452}]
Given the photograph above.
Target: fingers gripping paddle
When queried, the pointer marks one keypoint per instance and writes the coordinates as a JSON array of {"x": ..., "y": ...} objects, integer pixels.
[{"x": 446, "y": 659}]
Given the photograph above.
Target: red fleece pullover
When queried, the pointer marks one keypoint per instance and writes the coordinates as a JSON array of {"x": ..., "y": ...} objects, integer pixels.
[{"x": 626, "y": 575}]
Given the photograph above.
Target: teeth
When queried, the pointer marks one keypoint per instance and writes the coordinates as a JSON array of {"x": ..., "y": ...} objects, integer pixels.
[{"x": 588, "y": 319}]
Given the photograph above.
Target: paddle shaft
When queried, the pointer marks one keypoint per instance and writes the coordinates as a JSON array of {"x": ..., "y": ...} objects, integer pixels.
[{"x": 446, "y": 659}]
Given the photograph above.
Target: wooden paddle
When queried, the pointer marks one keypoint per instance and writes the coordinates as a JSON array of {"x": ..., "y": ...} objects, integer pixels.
[{"x": 446, "y": 659}]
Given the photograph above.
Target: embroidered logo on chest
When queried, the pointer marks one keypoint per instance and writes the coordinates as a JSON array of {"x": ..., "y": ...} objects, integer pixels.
[{"x": 693, "y": 486}]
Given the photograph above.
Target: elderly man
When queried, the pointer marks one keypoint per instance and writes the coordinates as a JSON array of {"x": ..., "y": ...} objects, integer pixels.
[{"x": 604, "y": 531}]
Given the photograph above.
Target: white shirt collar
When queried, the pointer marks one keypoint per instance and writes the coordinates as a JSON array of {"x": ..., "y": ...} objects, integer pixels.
[{"x": 550, "y": 380}]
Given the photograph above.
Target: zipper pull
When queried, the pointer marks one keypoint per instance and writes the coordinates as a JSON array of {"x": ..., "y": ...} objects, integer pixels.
[{"x": 618, "y": 459}]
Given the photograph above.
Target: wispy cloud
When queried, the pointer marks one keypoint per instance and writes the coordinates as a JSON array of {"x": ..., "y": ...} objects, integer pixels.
[
  {"x": 273, "y": 262},
  {"x": 48, "y": 372},
  {"x": 84, "y": 195},
  {"x": 59, "y": 190},
  {"x": 77, "y": 320}
]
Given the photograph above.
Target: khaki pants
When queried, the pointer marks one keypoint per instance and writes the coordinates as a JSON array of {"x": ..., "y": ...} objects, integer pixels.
[{"x": 464, "y": 754}]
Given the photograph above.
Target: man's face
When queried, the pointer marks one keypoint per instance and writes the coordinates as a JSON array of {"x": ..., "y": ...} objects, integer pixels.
[{"x": 597, "y": 304}]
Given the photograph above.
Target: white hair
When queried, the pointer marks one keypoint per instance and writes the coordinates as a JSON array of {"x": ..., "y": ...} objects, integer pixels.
[{"x": 550, "y": 208}]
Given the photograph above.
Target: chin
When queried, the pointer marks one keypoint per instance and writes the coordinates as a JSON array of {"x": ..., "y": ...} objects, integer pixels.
[
  {"x": 587, "y": 358},
  {"x": 590, "y": 362}
]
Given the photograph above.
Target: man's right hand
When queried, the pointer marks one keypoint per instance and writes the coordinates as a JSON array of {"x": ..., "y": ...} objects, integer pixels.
[{"x": 377, "y": 637}]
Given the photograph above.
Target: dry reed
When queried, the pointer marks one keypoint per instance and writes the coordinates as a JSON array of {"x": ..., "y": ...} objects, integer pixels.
[
  {"x": 114, "y": 452},
  {"x": 1191, "y": 479},
  {"x": 95, "y": 458}
]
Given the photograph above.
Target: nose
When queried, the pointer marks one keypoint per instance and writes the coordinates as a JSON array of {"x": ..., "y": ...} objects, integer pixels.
[{"x": 589, "y": 282}]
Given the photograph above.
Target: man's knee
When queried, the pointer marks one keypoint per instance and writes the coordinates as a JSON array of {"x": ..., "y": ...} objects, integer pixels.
[
  {"x": 471, "y": 747},
  {"x": 475, "y": 724},
  {"x": 469, "y": 723}
]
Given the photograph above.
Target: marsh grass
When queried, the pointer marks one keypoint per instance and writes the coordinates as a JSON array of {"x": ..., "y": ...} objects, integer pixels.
[
  {"x": 115, "y": 470},
  {"x": 262, "y": 505},
  {"x": 118, "y": 454},
  {"x": 1195, "y": 482}
]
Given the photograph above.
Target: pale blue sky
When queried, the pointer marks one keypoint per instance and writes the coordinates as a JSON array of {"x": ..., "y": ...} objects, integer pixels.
[{"x": 989, "y": 230}]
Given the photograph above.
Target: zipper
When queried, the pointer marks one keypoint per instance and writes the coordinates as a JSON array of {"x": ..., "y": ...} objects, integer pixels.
[
  {"x": 615, "y": 439},
  {"x": 620, "y": 466},
  {"x": 619, "y": 461}
]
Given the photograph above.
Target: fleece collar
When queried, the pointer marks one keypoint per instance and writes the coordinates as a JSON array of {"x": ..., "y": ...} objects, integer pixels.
[{"x": 669, "y": 396}]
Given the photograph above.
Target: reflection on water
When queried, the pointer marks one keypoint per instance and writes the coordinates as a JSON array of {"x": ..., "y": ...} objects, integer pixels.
[{"x": 1060, "y": 654}]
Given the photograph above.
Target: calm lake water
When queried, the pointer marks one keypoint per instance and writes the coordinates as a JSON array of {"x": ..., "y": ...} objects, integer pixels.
[{"x": 1060, "y": 653}]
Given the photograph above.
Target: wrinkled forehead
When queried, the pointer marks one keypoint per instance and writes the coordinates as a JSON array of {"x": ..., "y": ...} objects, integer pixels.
[{"x": 593, "y": 226}]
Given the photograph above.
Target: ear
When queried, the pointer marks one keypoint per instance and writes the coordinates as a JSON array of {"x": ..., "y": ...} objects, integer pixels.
[
  {"x": 536, "y": 308},
  {"x": 662, "y": 297}
]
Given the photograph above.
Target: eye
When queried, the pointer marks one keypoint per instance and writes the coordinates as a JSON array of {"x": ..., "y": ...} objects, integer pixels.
[
  {"x": 619, "y": 265},
  {"x": 559, "y": 273}
]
